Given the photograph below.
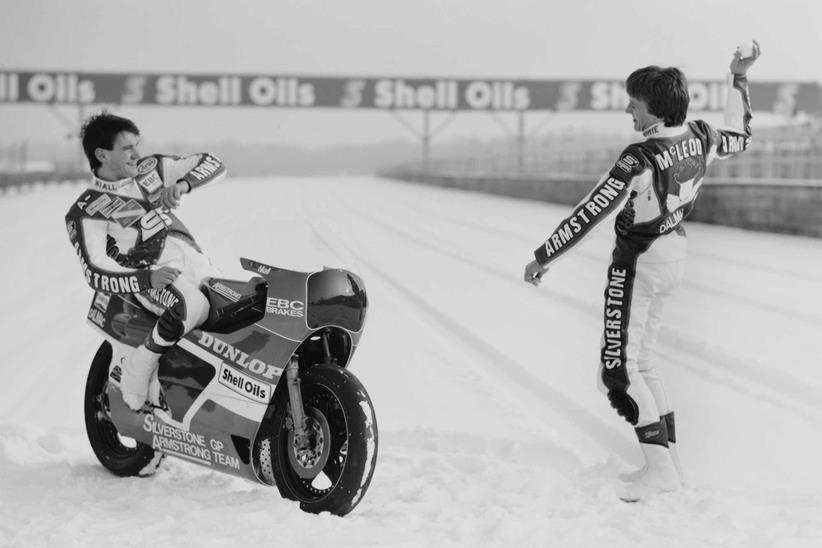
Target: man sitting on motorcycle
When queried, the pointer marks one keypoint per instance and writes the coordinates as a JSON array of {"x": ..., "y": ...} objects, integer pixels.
[{"x": 129, "y": 241}]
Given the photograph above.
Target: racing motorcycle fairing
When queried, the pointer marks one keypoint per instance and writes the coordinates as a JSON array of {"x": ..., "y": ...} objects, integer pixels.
[
  {"x": 331, "y": 297},
  {"x": 219, "y": 381}
]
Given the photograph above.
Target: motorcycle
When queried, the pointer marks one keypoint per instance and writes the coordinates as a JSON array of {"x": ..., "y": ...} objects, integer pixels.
[{"x": 261, "y": 390}]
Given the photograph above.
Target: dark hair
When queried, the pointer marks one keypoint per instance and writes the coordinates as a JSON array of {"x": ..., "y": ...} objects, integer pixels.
[
  {"x": 100, "y": 131},
  {"x": 664, "y": 90}
]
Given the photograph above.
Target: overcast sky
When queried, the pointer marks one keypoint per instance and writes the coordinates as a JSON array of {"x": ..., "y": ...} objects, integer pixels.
[{"x": 465, "y": 38}]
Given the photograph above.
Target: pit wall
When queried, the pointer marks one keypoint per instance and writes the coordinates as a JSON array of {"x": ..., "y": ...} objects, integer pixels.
[{"x": 778, "y": 205}]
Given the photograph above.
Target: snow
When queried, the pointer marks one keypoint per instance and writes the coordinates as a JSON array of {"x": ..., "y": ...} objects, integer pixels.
[{"x": 492, "y": 430}]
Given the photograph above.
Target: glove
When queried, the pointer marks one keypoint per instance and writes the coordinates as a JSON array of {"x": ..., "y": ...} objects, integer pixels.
[{"x": 625, "y": 218}]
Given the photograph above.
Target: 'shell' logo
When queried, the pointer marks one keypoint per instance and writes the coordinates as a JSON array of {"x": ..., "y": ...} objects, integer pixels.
[{"x": 245, "y": 385}]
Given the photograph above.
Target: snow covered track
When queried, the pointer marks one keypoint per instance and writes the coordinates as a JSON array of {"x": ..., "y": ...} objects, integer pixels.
[
  {"x": 480, "y": 351},
  {"x": 712, "y": 356},
  {"x": 492, "y": 430}
]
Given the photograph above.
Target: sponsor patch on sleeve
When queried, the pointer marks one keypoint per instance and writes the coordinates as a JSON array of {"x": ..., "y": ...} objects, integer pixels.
[
  {"x": 147, "y": 165},
  {"x": 627, "y": 163},
  {"x": 151, "y": 182}
]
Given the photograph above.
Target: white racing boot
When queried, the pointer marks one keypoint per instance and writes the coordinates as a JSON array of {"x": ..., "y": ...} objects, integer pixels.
[
  {"x": 660, "y": 473},
  {"x": 137, "y": 373},
  {"x": 670, "y": 426},
  {"x": 675, "y": 458},
  {"x": 156, "y": 398},
  {"x": 660, "y": 476},
  {"x": 633, "y": 475}
]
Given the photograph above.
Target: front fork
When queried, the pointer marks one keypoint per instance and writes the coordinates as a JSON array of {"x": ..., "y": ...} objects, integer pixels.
[
  {"x": 292, "y": 377},
  {"x": 295, "y": 396}
]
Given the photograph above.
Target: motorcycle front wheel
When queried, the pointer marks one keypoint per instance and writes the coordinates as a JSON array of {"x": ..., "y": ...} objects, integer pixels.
[
  {"x": 331, "y": 469},
  {"x": 122, "y": 456}
]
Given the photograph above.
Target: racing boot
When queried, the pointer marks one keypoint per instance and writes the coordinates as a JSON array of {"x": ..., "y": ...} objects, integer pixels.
[
  {"x": 677, "y": 464},
  {"x": 155, "y": 392},
  {"x": 660, "y": 475},
  {"x": 137, "y": 373},
  {"x": 156, "y": 403},
  {"x": 634, "y": 475}
]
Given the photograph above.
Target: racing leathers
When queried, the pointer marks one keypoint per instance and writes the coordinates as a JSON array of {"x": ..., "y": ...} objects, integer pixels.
[
  {"x": 121, "y": 232},
  {"x": 660, "y": 179}
]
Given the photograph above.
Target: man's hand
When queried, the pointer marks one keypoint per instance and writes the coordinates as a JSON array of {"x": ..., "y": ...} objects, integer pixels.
[
  {"x": 164, "y": 275},
  {"x": 739, "y": 65},
  {"x": 169, "y": 197},
  {"x": 534, "y": 272}
]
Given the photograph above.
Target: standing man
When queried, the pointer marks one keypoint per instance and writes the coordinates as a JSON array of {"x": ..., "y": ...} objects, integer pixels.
[
  {"x": 660, "y": 178},
  {"x": 129, "y": 241}
]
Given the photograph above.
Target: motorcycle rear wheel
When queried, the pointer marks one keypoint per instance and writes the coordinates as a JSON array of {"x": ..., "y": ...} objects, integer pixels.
[
  {"x": 334, "y": 472},
  {"x": 122, "y": 456}
]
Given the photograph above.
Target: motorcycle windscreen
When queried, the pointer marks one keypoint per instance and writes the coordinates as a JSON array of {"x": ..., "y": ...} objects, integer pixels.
[{"x": 336, "y": 297}]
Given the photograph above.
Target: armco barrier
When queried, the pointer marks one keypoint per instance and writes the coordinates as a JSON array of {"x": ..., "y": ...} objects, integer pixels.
[{"x": 785, "y": 206}]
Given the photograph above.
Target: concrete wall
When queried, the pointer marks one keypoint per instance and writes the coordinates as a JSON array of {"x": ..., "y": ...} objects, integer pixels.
[{"x": 785, "y": 206}]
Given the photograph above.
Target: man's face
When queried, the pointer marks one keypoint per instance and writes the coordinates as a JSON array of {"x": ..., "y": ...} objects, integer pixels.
[
  {"x": 638, "y": 110},
  {"x": 121, "y": 161}
]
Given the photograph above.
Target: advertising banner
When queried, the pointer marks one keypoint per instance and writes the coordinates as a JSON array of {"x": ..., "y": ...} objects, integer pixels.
[{"x": 388, "y": 93}]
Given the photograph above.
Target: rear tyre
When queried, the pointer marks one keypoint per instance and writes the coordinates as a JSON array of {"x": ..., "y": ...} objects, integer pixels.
[
  {"x": 333, "y": 469},
  {"x": 123, "y": 456}
]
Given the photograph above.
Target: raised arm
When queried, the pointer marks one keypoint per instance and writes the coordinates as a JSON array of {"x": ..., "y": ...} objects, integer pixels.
[{"x": 735, "y": 135}]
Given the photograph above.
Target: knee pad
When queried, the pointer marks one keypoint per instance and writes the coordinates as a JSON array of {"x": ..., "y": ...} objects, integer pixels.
[{"x": 624, "y": 404}]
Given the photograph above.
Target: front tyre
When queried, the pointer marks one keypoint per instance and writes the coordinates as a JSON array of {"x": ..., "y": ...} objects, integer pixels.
[
  {"x": 332, "y": 469},
  {"x": 123, "y": 456}
]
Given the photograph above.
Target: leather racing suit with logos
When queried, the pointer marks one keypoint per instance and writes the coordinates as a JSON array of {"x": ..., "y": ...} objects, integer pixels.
[
  {"x": 120, "y": 232},
  {"x": 665, "y": 171}
]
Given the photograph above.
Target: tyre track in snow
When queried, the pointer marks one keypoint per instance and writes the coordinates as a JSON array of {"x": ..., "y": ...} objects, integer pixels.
[
  {"x": 702, "y": 288},
  {"x": 695, "y": 253},
  {"x": 776, "y": 387},
  {"x": 765, "y": 378},
  {"x": 592, "y": 426},
  {"x": 769, "y": 385}
]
